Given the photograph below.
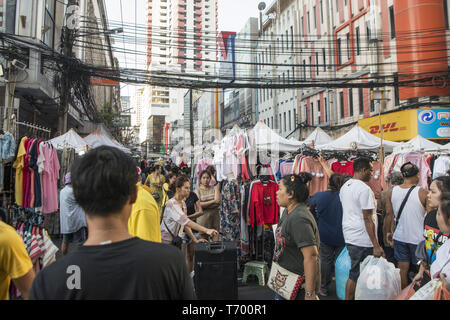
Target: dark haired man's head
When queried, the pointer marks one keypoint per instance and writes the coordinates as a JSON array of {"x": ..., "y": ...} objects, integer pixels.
[
  {"x": 410, "y": 172},
  {"x": 104, "y": 181},
  {"x": 363, "y": 169},
  {"x": 396, "y": 178},
  {"x": 336, "y": 181},
  {"x": 293, "y": 189}
]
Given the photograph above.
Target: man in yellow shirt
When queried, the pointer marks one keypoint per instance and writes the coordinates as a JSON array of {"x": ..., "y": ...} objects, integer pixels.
[
  {"x": 144, "y": 221},
  {"x": 15, "y": 264}
]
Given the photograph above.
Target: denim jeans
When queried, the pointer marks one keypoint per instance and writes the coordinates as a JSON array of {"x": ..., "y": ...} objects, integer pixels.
[{"x": 328, "y": 256}]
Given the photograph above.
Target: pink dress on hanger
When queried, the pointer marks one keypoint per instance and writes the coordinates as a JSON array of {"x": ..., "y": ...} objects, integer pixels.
[{"x": 50, "y": 177}]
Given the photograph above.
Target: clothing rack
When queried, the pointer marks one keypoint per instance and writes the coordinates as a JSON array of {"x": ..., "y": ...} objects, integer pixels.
[{"x": 33, "y": 126}]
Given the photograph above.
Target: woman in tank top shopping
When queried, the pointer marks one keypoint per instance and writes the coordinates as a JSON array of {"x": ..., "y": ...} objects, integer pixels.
[{"x": 209, "y": 201}]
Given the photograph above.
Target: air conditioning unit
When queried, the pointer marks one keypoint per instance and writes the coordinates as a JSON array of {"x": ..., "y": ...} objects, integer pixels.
[{"x": 19, "y": 64}]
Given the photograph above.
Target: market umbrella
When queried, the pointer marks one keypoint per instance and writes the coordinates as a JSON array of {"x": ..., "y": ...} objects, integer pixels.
[
  {"x": 358, "y": 138},
  {"x": 70, "y": 139},
  {"x": 418, "y": 143}
]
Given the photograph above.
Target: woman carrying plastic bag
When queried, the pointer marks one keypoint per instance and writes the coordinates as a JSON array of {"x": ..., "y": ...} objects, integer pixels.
[{"x": 378, "y": 280}]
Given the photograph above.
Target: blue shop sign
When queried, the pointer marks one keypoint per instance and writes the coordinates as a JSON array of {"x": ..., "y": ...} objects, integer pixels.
[{"x": 434, "y": 123}]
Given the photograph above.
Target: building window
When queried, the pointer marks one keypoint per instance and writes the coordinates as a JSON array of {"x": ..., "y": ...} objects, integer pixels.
[
  {"x": 317, "y": 63},
  {"x": 348, "y": 46},
  {"x": 295, "y": 119},
  {"x": 318, "y": 112},
  {"x": 310, "y": 67},
  {"x": 290, "y": 123},
  {"x": 361, "y": 100},
  {"x": 309, "y": 23},
  {"x": 312, "y": 113},
  {"x": 396, "y": 92},
  {"x": 292, "y": 37},
  {"x": 306, "y": 113},
  {"x": 350, "y": 98},
  {"x": 447, "y": 23},
  {"x": 284, "y": 116},
  {"x": 339, "y": 51},
  {"x": 321, "y": 11},
  {"x": 341, "y": 100},
  {"x": 279, "y": 123},
  {"x": 271, "y": 121},
  {"x": 287, "y": 40},
  {"x": 302, "y": 27},
  {"x": 324, "y": 60},
  {"x": 392, "y": 19},
  {"x": 315, "y": 20},
  {"x": 282, "y": 43},
  {"x": 304, "y": 70},
  {"x": 325, "y": 109},
  {"x": 357, "y": 42}
]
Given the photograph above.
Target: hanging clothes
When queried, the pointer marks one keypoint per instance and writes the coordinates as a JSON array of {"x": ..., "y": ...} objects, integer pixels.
[
  {"x": 263, "y": 206},
  {"x": 19, "y": 166},
  {"x": 377, "y": 183},
  {"x": 230, "y": 212},
  {"x": 50, "y": 177},
  {"x": 441, "y": 166},
  {"x": 320, "y": 179},
  {"x": 7, "y": 151},
  {"x": 344, "y": 168}
]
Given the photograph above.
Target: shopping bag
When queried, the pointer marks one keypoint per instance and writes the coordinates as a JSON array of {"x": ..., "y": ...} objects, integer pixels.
[
  {"x": 341, "y": 270},
  {"x": 441, "y": 293},
  {"x": 427, "y": 291},
  {"x": 406, "y": 293},
  {"x": 378, "y": 280}
]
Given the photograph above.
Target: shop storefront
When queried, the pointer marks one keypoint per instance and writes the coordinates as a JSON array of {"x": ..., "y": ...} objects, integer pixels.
[{"x": 430, "y": 123}]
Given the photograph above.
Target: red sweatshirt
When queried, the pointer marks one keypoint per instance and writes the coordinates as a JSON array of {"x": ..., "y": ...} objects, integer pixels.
[{"x": 264, "y": 208}]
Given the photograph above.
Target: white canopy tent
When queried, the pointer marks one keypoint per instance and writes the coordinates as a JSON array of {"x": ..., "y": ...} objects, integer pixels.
[
  {"x": 445, "y": 147},
  {"x": 70, "y": 139},
  {"x": 101, "y": 137},
  {"x": 358, "y": 138},
  {"x": 418, "y": 143},
  {"x": 267, "y": 139},
  {"x": 318, "y": 136}
]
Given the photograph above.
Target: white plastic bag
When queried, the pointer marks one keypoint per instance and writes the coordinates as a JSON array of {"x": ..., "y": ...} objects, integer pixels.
[
  {"x": 378, "y": 280},
  {"x": 427, "y": 291}
]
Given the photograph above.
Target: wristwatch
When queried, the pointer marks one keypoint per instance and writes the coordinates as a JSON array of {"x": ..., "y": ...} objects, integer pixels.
[{"x": 310, "y": 294}]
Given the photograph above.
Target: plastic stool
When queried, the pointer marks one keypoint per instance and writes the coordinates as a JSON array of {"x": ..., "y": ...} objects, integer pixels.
[{"x": 258, "y": 269}]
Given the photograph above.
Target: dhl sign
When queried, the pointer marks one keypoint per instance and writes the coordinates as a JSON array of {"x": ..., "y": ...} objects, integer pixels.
[{"x": 396, "y": 126}]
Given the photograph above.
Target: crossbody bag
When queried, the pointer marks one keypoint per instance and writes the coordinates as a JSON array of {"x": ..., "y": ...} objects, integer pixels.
[{"x": 177, "y": 241}]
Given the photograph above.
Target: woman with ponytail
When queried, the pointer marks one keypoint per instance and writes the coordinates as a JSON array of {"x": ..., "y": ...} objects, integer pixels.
[{"x": 297, "y": 236}]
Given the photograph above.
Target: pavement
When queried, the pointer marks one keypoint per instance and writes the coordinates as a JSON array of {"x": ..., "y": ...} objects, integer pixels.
[{"x": 249, "y": 291}]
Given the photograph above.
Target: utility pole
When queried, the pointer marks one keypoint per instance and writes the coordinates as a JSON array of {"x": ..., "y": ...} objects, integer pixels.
[{"x": 68, "y": 37}]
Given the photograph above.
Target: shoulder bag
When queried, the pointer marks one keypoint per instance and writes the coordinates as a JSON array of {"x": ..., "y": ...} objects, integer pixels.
[
  {"x": 402, "y": 206},
  {"x": 285, "y": 283},
  {"x": 177, "y": 241}
]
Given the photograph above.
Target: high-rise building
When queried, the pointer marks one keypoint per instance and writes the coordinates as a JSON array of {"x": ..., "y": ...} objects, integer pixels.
[{"x": 181, "y": 38}]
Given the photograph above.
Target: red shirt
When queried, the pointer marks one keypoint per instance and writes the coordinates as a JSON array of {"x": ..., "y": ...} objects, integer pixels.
[
  {"x": 264, "y": 208},
  {"x": 346, "y": 169}
]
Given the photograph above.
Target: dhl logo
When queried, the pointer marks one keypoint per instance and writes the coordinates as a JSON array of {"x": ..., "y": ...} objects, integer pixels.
[
  {"x": 443, "y": 115},
  {"x": 389, "y": 127}
]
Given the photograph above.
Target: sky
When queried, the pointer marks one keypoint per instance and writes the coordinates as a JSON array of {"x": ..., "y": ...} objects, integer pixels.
[{"x": 233, "y": 14}]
